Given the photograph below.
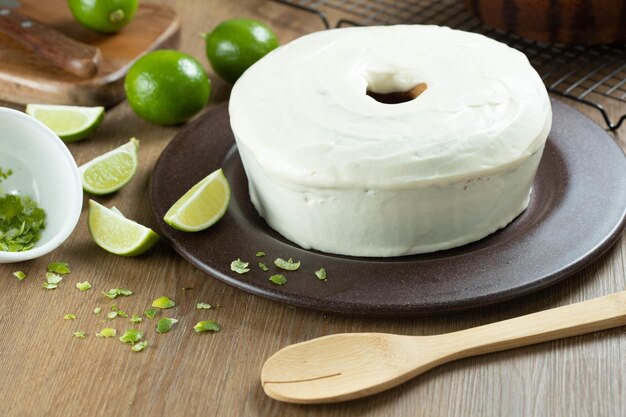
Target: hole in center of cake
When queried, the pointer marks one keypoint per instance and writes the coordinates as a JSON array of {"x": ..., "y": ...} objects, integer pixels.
[{"x": 397, "y": 97}]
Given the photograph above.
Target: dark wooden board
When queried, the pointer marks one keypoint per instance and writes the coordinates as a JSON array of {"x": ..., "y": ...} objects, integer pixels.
[{"x": 26, "y": 78}]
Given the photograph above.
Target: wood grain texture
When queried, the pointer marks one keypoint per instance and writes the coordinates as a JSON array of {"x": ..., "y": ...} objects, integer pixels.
[
  {"x": 26, "y": 78},
  {"x": 74, "y": 57},
  {"x": 44, "y": 371}
]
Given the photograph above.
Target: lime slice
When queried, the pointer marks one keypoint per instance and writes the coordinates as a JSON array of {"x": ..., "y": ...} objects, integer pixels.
[
  {"x": 70, "y": 123},
  {"x": 117, "y": 234},
  {"x": 111, "y": 171},
  {"x": 203, "y": 205}
]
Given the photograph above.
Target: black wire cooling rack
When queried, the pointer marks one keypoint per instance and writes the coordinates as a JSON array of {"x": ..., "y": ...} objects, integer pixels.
[{"x": 589, "y": 75}]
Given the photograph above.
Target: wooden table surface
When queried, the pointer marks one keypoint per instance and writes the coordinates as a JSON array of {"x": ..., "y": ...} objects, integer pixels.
[{"x": 45, "y": 371}]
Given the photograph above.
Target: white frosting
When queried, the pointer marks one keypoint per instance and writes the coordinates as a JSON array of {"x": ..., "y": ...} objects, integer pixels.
[{"x": 333, "y": 169}]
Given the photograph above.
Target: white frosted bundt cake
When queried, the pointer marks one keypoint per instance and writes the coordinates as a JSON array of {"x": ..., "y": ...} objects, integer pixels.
[{"x": 333, "y": 167}]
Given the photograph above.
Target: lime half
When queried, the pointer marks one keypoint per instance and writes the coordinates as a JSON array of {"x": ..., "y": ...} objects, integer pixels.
[
  {"x": 70, "y": 123},
  {"x": 203, "y": 205},
  {"x": 111, "y": 171},
  {"x": 117, "y": 234}
]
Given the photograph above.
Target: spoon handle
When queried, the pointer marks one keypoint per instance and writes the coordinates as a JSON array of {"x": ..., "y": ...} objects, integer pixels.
[{"x": 571, "y": 320}]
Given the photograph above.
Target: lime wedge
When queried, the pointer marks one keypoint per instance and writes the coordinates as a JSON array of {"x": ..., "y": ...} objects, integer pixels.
[
  {"x": 111, "y": 171},
  {"x": 117, "y": 234},
  {"x": 203, "y": 205},
  {"x": 70, "y": 123}
]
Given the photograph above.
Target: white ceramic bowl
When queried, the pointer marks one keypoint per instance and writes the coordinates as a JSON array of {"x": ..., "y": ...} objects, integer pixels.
[{"x": 43, "y": 169}]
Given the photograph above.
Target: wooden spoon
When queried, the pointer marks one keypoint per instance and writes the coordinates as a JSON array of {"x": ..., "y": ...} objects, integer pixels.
[{"x": 347, "y": 366}]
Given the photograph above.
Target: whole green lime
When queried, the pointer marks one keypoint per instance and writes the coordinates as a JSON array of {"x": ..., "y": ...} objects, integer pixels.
[
  {"x": 167, "y": 87},
  {"x": 235, "y": 44},
  {"x": 106, "y": 16}
]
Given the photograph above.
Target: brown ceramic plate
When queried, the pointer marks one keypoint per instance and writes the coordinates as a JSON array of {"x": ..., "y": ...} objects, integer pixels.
[{"x": 577, "y": 211}]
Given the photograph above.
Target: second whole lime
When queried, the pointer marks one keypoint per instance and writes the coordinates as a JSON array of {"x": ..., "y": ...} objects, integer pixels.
[
  {"x": 105, "y": 16},
  {"x": 167, "y": 87},
  {"x": 235, "y": 44}
]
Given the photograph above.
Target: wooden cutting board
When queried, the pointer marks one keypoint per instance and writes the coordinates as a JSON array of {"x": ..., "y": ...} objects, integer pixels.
[{"x": 25, "y": 78}]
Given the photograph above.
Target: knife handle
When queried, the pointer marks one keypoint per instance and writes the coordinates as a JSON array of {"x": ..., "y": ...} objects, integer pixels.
[{"x": 74, "y": 57}]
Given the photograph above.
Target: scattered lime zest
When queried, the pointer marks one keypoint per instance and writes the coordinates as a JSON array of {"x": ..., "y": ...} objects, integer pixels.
[
  {"x": 21, "y": 222},
  {"x": 59, "y": 268},
  {"x": 107, "y": 332},
  {"x": 165, "y": 324},
  {"x": 114, "y": 292},
  {"x": 202, "y": 206},
  {"x": 287, "y": 265},
  {"x": 321, "y": 274},
  {"x": 135, "y": 319},
  {"x": 131, "y": 336},
  {"x": 111, "y": 171},
  {"x": 19, "y": 275},
  {"x": 80, "y": 335},
  {"x": 53, "y": 278},
  {"x": 151, "y": 313},
  {"x": 260, "y": 254},
  {"x": 203, "y": 306},
  {"x": 70, "y": 123},
  {"x": 206, "y": 326},
  {"x": 97, "y": 310},
  {"x": 83, "y": 286},
  {"x": 278, "y": 279},
  {"x": 263, "y": 267},
  {"x": 119, "y": 313},
  {"x": 239, "y": 266},
  {"x": 117, "y": 234},
  {"x": 69, "y": 317},
  {"x": 111, "y": 315},
  {"x": 138, "y": 347},
  {"x": 163, "y": 303}
]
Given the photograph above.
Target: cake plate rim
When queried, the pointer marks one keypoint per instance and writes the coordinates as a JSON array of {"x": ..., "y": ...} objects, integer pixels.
[{"x": 577, "y": 214}]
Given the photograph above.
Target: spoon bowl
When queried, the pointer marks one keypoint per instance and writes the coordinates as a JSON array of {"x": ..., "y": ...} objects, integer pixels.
[{"x": 339, "y": 367}]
